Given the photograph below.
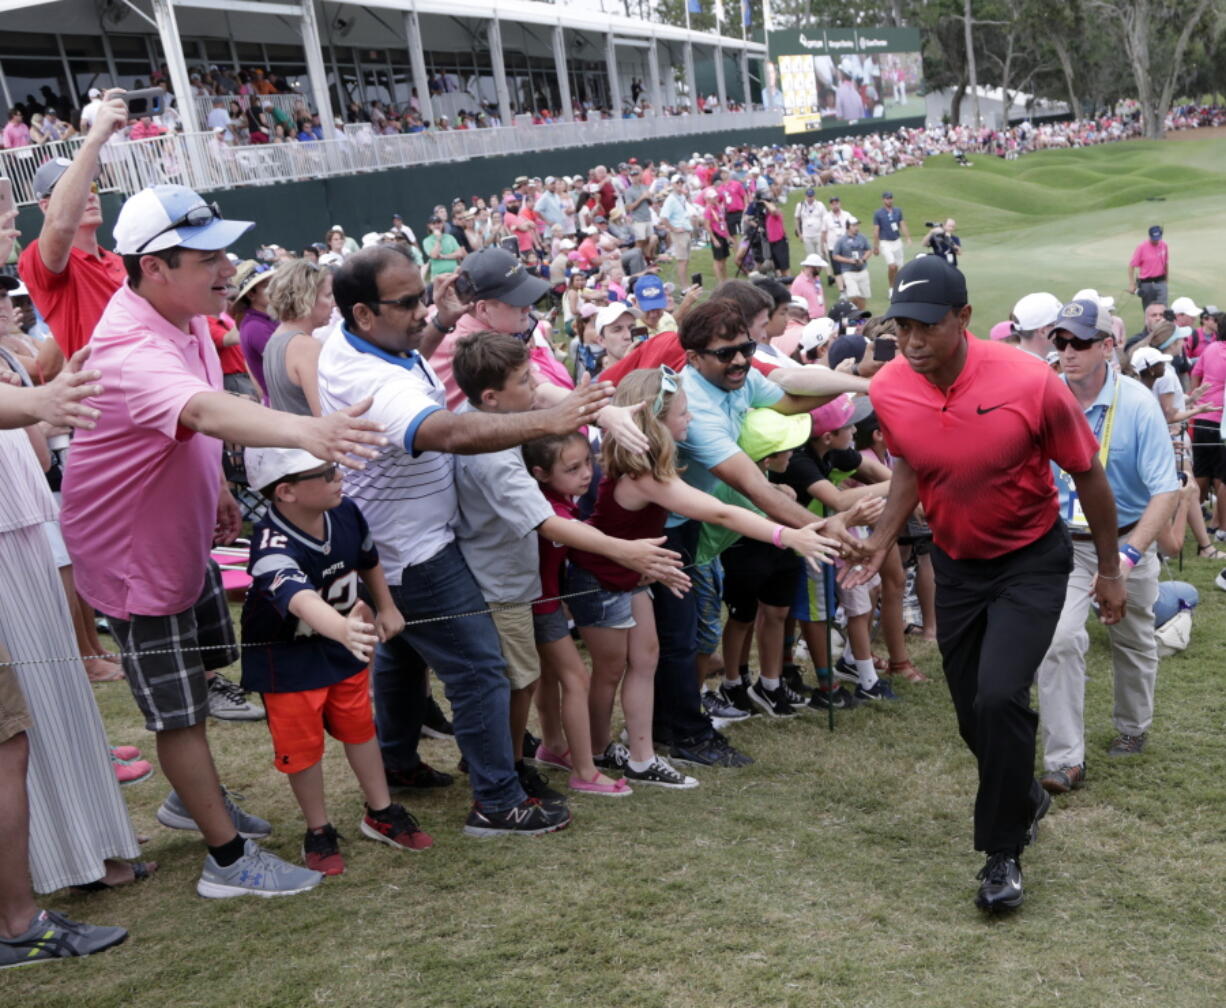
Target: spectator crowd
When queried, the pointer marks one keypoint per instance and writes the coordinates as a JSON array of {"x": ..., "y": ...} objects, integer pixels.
[{"x": 470, "y": 451}]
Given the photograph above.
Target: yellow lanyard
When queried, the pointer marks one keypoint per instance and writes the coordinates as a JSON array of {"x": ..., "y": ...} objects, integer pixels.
[{"x": 1108, "y": 423}]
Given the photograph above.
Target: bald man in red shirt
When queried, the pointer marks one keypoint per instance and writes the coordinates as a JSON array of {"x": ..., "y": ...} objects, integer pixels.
[{"x": 973, "y": 427}]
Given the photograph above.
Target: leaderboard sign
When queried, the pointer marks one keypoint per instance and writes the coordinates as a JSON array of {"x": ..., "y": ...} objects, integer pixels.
[{"x": 824, "y": 76}]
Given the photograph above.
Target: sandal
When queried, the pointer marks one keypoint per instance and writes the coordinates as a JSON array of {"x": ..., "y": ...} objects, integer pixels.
[
  {"x": 908, "y": 671},
  {"x": 614, "y": 789},
  {"x": 141, "y": 870},
  {"x": 1210, "y": 552}
]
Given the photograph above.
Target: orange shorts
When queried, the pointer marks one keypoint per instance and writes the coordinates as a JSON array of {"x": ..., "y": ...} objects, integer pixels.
[{"x": 298, "y": 721}]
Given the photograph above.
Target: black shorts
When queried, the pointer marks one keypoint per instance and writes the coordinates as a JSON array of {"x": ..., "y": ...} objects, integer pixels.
[
  {"x": 165, "y": 657},
  {"x": 734, "y": 221},
  {"x": 757, "y": 572},
  {"x": 719, "y": 248},
  {"x": 1208, "y": 457}
]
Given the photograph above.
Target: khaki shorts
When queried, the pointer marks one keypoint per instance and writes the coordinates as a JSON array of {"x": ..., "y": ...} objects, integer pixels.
[
  {"x": 14, "y": 717},
  {"x": 642, "y": 230},
  {"x": 857, "y": 284},
  {"x": 679, "y": 244},
  {"x": 517, "y": 636},
  {"x": 891, "y": 252}
]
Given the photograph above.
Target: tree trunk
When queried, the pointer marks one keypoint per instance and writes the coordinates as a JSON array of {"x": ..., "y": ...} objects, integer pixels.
[
  {"x": 971, "y": 72},
  {"x": 1066, "y": 65},
  {"x": 955, "y": 106}
]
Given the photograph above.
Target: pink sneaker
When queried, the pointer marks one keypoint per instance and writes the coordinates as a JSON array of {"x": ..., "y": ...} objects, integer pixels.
[
  {"x": 616, "y": 789},
  {"x": 547, "y": 757},
  {"x": 125, "y": 752},
  {"x": 131, "y": 771}
]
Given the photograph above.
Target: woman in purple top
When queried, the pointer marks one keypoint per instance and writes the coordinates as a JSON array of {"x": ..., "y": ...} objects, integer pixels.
[{"x": 250, "y": 310}]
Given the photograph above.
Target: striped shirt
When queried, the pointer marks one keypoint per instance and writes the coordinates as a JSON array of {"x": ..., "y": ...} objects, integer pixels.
[{"x": 408, "y": 497}]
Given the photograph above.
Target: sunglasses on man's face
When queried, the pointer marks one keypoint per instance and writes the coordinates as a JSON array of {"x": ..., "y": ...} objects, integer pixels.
[
  {"x": 407, "y": 303},
  {"x": 1062, "y": 343},
  {"x": 726, "y": 355}
]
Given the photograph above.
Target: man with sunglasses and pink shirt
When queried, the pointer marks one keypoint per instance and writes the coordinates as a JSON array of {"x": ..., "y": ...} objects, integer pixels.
[{"x": 144, "y": 501}]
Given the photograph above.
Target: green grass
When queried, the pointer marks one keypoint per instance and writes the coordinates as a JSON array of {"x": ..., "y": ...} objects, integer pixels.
[
  {"x": 1058, "y": 221},
  {"x": 837, "y": 870}
]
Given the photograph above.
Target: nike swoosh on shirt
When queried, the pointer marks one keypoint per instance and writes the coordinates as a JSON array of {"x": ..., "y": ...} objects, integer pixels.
[
  {"x": 910, "y": 283},
  {"x": 981, "y": 411}
]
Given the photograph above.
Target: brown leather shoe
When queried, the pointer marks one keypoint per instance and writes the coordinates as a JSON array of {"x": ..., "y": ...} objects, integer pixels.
[{"x": 1064, "y": 780}]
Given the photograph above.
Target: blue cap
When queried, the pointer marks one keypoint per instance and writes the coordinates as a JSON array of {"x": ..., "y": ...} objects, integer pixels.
[
  {"x": 158, "y": 218},
  {"x": 1155, "y": 232},
  {"x": 649, "y": 293},
  {"x": 1080, "y": 318}
]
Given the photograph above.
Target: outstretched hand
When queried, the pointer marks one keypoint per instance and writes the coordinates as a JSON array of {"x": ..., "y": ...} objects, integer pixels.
[{"x": 344, "y": 436}]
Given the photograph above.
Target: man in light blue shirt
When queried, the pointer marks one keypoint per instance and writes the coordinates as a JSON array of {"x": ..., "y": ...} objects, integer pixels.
[
  {"x": 1135, "y": 449},
  {"x": 676, "y": 217},
  {"x": 721, "y": 387}
]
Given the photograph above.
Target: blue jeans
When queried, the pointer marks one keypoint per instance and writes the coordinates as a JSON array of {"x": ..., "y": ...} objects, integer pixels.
[
  {"x": 679, "y": 718},
  {"x": 466, "y": 656}
]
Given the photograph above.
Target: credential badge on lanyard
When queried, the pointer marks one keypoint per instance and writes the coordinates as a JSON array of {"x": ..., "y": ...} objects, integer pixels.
[{"x": 1072, "y": 512}]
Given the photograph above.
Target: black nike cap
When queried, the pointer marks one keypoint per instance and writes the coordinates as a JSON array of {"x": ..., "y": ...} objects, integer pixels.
[{"x": 926, "y": 289}]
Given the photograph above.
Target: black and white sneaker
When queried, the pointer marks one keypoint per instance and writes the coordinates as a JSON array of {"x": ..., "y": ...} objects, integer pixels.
[
  {"x": 714, "y": 751},
  {"x": 718, "y": 709},
  {"x": 614, "y": 757},
  {"x": 529, "y": 818},
  {"x": 847, "y": 672},
  {"x": 880, "y": 690},
  {"x": 435, "y": 724},
  {"x": 737, "y": 696},
  {"x": 839, "y": 699},
  {"x": 536, "y": 785},
  {"x": 661, "y": 773},
  {"x": 794, "y": 682},
  {"x": 773, "y": 702},
  {"x": 228, "y": 701}
]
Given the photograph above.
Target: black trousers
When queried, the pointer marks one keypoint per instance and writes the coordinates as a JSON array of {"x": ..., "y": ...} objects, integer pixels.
[{"x": 995, "y": 621}]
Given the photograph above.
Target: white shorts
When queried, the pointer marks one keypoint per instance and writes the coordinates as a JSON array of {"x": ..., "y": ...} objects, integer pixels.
[
  {"x": 858, "y": 601},
  {"x": 857, "y": 284},
  {"x": 891, "y": 252},
  {"x": 642, "y": 230}
]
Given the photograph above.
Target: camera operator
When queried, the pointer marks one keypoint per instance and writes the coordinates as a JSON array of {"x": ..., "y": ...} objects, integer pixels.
[{"x": 942, "y": 240}]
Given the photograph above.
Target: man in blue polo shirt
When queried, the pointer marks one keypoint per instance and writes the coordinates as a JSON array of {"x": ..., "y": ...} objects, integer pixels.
[
  {"x": 1135, "y": 450},
  {"x": 889, "y": 233}
]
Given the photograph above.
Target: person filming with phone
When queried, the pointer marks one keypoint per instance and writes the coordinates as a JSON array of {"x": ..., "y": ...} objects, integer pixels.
[{"x": 69, "y": 275}]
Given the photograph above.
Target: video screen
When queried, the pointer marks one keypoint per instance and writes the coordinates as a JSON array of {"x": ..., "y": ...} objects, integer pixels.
[{"x": 827, "y": 76}]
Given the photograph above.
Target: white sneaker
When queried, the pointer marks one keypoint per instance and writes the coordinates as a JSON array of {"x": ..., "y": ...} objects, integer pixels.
[
  {"x": 258, "y": 873},
  {"x": 228, "y": 702}
]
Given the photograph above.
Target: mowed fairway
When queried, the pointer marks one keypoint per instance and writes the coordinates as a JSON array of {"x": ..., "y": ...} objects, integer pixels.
[{"x": 838, "y": 869}]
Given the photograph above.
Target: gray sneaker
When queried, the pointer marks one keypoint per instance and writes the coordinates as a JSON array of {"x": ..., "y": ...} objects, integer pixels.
[
  {"x": 52, "y": 936},
  {"x": 173, "y": 813},
  {"x": 228, "y": 702},
  {"x": 258, "y": 873}
]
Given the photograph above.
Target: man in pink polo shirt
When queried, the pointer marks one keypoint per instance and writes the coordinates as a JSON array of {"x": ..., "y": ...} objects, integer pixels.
[
  {"x": 143, "y": 503},
  {"x": 1148, "y": 269}
]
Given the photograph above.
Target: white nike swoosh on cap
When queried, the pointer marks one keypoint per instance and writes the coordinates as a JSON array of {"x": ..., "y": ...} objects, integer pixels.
[{"x": 910, "y": 283}]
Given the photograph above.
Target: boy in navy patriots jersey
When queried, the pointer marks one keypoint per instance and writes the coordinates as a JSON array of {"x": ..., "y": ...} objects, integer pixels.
[{"x": 312, "y": 640}]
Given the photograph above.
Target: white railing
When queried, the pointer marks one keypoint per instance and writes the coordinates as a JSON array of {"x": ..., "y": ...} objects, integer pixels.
[{"x": 199, "y": 161}]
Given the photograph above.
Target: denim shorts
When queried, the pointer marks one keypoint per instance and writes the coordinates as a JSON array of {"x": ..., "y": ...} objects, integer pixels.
[
  {"x": 596, "y": 606},
  {"x": 550, "y": 627},
  {"x": 708, "y": 582}
]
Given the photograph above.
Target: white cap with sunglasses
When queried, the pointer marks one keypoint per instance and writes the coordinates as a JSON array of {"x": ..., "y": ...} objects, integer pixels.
[
  {"x": 266, "y": 466},
  {"x": 173, "y": 216}
]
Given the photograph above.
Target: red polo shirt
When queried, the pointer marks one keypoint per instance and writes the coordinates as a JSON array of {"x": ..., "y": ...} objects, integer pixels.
[
  {"x": 72, "y": 301},
  {"x": 981, "y": 451}
]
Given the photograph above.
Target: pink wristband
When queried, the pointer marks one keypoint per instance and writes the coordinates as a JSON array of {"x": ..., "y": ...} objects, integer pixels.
[{"x": 777, "y": 536}]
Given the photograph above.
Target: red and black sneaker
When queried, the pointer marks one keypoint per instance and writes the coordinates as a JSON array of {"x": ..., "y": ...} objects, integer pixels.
[
  {"x": 321, "y": 850},
  {"x": 396, "y": 828}
]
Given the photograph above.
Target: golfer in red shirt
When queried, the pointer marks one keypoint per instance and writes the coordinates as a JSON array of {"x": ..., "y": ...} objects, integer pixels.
[{"x": 973, "y": 427}]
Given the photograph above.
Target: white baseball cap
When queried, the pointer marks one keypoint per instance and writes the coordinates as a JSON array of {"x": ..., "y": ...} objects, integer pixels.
[
  {"x": 1148, "y": 356},
  {"x": 170, "y": 216},
  {"x": 1185, "y": 306},
  {"x": 267, "y": 465},
  {"x": 818, "y": 333},
  {"x": 813, "y": 259},
  {"x": 1035, "y": 311},
  {"x": 611, "y": 312},
  {"x": 1106, "y": 302}
]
